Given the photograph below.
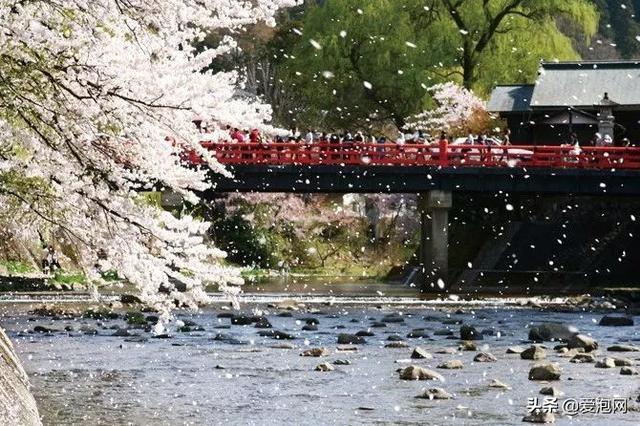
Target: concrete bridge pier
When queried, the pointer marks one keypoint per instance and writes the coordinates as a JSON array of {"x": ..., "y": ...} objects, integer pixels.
[{"x": 434, "y": 238}]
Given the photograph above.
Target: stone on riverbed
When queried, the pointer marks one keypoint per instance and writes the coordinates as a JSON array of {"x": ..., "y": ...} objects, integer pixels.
[
  {"x": 350, "y": 339},
  {"x": 540, "y": 417},
  {"x": 616, "y": 321},
  {"x": 420, "y": 353},
  {"x": 452, "y": 364},
  {"x": 468, "y": 345},
  {"x": 324, "y": 367},
  {"x": 551, "y": 391},
  {"x": 263, "y": 323},
  {"x": 309, "y": 327},
  {"x": 378, "y": 324},
  {"x": 582, "y": 341},
  {"x": 443, "y": 332},
  {"x": 583, "y": 358},
  {"x": 545, "y": 372},
  {"x": 485, "y": 357},
  {"x": 413, "y": 372},
  {"x": 606, "y": 363},
  {"x": 468, "y": 332},
  {"x": 551, "y": 331},
  {"x": 43, "y": 329},
  {"x": 394, "y": 338},
  {"x": 342, "y": 362},
  {"x": 289, "y": 305},
  {"x": 535, "y": 352},
  {"x": 275, "y": 334},
  {"x": 283, "y": 346},
  {"x": 418, "y": 333},
  {"x": 392, "y": 319},
  {"x": 435, "y": 393},
  {"x": 623, "y": 362},
  {"x": 228, "y": 339},
  {"x": 495, "y": 383},
  {"x": 623, "y": 348},
  {"x": 628, "y": 371},
  {"x": 365, "y": 333},
  {"x": 447, "y": 351},
  {"x": 515, "y": 349},
  {"x": 396, "y": 345},
  {"x": 315, "y": 352}
]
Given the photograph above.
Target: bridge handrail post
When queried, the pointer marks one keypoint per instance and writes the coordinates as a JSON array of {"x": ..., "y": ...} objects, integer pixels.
[{"x": 443, "y": 152}]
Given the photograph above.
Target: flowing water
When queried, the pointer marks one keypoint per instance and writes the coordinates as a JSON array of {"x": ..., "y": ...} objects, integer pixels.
[{"x": 190, "y": 378}]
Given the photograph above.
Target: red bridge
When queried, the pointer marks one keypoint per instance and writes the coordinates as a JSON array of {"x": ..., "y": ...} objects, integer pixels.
[{"x": 413, "y": 155}]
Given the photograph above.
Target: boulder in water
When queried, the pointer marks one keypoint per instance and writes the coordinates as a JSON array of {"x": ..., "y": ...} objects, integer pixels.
[
  {"x": 396, "y": 345},
  {"x": 534, "y": 352},
  {"x": 452, "y": 364},
  {"x": 616, "y": 321},
  {"x": 342, "y": 362},
  {"x": 623, "y": 348},
  {"x": 414, "y": 372},
  {"x": 468, "y": 332},
  {"x": 623, "y": 362},
  {"x": 418, "y": 333},
  {"x": 420, "y": 353},
  {"x": 263, "y": 323},
  {"x": 468, "y": 345},
  {"x": 485, "y": 357},
  {"x": 365, "y": 333},
  {"x": 582, "y": 341},
  {"x": 551, "y": 332},
  {"x": 495, "y": 383},
  {"x": 350, "y": 339},
  {"x": 551, "y": 391},
  {"x": 545, "y": 372},
  {"x": 540, "y": 417},
  {"x": 309, "y": 327},
  {"x": 324, "y": 367},
  {"x": 628, "y": 371},
  {"x": 435, "y": 393},
  {"x": 583, "y": 358},
  {"x": 515, "y": 349},
  {"x": 315, "y": 352},
  {"x": 606, "y": 363}
]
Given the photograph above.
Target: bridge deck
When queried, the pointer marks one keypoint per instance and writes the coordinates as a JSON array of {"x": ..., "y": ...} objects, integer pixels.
[{"x": 412, "y": 155}]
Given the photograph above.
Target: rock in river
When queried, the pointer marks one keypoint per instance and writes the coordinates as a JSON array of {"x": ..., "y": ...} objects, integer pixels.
[
  {"x": 583, "y": 358},
  {"x": 420, "y": 353},
  {"x": 468, "y": 332},
  {"x": 365, "y": 333},
  {"x": 396, "y": 345},
  {"x": 495, "y": 383},
  {"x": 263, "y": 323},
  {"x": 435, "y": 393},
  {"x": 315, "y": 352},
  {"x": 515, "y": 349},
  {"x": 309, "y": 327},
  {"x": 325, "y": 366},
  {"x": 452, "y": 364},
  {"x": 582, "y": 341},
  {"x": 350, "y": 339},
  {"x": 623, "y": 348},
  {"x": 418, "y": 333},
  {"x": 539, "y": 417},
  {"x": 551, "y": 331},
  {"x": 551, "y": 391},
  {"x": 628, "y": 371},
  {"x": 535, "y": 352},
  {"x": 545, "y": 372},
  {"x": 485, "y": 357},
  {"x": 413, "y": 372},
  {"x": 606, "y": 363},
  {"x": 275, "y": 334},
  {"x": 616, "y": 321}
]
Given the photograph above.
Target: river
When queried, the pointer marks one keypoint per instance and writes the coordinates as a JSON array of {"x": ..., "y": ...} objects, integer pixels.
[{"x": 191, "y": 379}]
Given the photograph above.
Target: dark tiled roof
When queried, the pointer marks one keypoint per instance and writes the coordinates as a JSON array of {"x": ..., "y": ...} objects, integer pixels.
[
  {"x": 511, "y": 98},
  {"x": 583, "y": 84}
]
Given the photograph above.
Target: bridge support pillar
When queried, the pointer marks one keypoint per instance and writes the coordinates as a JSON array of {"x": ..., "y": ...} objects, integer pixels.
[{"x": 434, "y": 238}]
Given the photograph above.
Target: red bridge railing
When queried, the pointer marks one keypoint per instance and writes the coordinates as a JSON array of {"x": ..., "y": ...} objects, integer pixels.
[{"x": 410, "y": 155}]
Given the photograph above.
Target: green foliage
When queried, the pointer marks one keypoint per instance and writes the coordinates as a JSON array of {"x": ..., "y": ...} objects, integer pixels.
[
  {"x": 135, "y": 318},
  {"x": 69, "y": 278},
  {"x": 622, "y": 25},
  {"x": 401, "y": 48},
  {"x": 16, "y": 267}
]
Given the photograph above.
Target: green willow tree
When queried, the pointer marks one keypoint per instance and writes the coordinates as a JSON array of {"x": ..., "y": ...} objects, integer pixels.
[{"x": 368, "y": 62}]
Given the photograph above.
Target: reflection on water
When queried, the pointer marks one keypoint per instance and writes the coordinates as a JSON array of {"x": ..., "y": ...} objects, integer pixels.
[{"x": 192, "y": 379}]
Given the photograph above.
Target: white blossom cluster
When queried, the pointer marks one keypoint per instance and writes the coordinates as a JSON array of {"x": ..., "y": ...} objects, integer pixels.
[
  {"x": 97, "y": 99},
  {"x": 455, "y": 105}
]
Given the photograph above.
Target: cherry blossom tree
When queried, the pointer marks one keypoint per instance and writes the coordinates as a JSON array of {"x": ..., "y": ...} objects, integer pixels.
[
  {"x": 96, "y": 103},
  {"x": 457, "y": 110}
]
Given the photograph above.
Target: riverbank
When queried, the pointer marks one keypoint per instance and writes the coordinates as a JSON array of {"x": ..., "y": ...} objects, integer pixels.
[{"x": 17, "y": 404}]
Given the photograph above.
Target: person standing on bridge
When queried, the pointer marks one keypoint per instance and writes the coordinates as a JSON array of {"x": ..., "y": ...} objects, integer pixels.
[{"x": 308, "y": 138}]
